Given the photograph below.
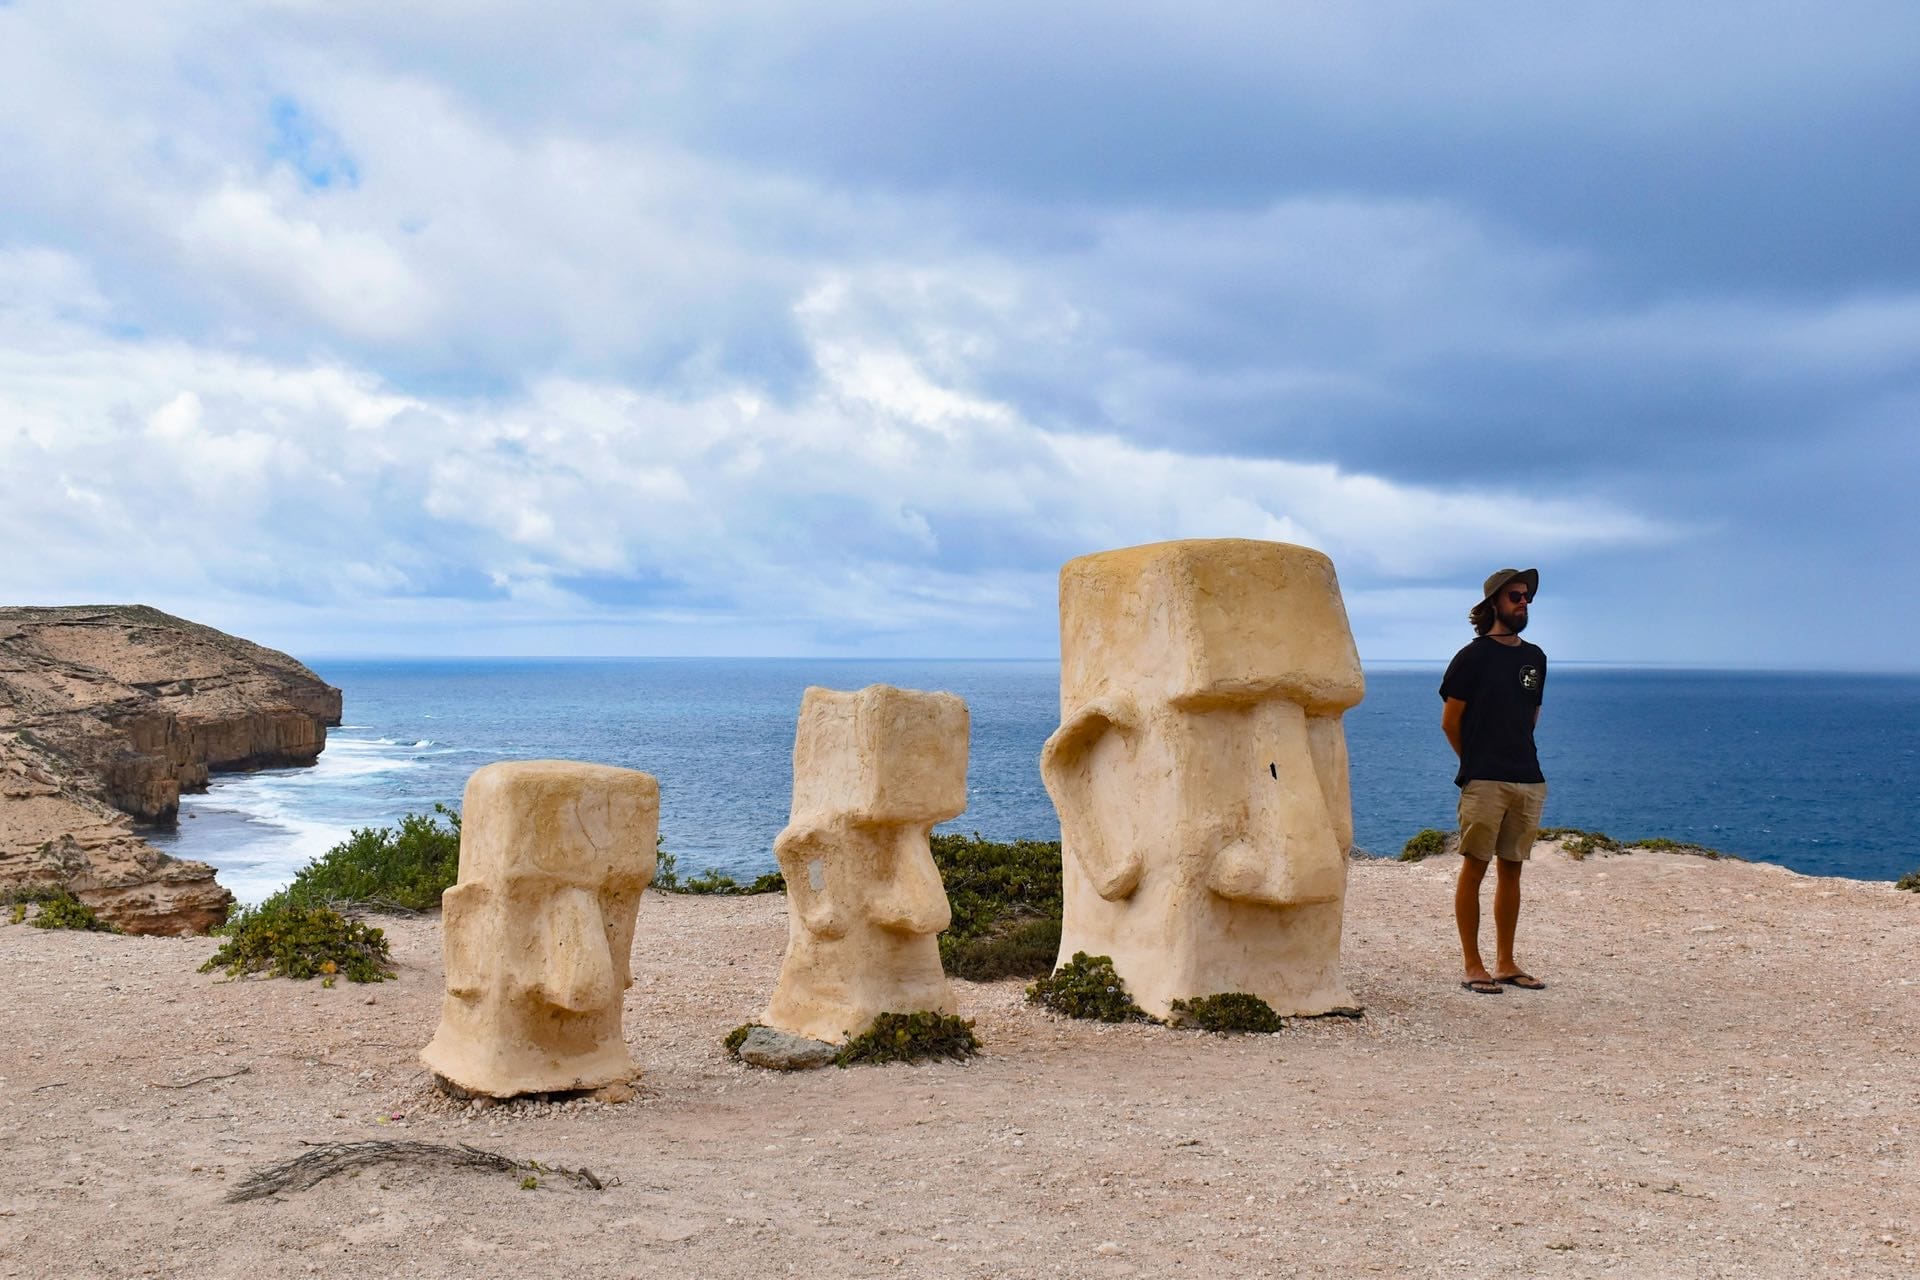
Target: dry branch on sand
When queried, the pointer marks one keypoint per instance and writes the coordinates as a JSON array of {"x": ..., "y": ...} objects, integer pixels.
[
  {"x": 327, "y": 1159},
  {"x": 188, "y": 1084}
]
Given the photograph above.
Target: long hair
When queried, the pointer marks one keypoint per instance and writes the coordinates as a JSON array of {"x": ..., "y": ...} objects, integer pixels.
[{"x": 1481, "y": 616}]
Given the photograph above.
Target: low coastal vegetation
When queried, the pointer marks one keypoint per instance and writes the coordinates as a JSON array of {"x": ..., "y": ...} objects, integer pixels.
[
  {"x": 1005, "y": 897},
  {"x": 1227, "y": 1013},
  {"x": 892, "y": 1037},
  {"x": 1909, "y": 881},
  {"x": 287, "y": 940},
  {"x": 1660, "y": 844},
  {"x": 1006, "y": 900},
  {"x": 49, "y": 907},
  {"x": 910, "y": 1037},
  {"x": 667, "y": 878},
  {"x": 403, "y": 869},
  {"x": 1576, "y": 842},
  {"x": 305, "y": 931},
  {"x": 1087, "y": 987},
  {"x": 406, "y": 869},
  {"x": 1426, "y": 843}
]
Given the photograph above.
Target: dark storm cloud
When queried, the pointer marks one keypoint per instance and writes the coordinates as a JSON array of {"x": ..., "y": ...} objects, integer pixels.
[
  {"x": 1703, "y": 144},
  {"x": 1615, "y": 164}
]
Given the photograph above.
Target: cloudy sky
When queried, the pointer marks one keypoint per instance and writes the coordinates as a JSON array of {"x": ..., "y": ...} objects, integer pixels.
[{"x": 462, "y": 326}]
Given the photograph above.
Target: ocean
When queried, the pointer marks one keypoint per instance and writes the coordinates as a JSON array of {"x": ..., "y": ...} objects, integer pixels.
[{"x": 1815, "y": 772}]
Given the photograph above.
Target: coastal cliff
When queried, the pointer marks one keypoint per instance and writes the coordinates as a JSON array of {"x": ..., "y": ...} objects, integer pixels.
[{"x": 108, "y": 714}]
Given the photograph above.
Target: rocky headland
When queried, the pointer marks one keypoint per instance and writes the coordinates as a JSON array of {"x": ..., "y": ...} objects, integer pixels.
[{"x": 107, "y": 714}]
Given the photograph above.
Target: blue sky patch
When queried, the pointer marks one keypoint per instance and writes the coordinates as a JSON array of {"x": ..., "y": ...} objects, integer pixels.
[{"x": 313, "y": 150}]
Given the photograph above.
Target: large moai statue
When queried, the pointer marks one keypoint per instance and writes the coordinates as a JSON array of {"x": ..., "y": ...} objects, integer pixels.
[
  {"x": 538, "y": 932},
  {"x": 1200, "y": 770},
  {"x": 872, "y": 772}
]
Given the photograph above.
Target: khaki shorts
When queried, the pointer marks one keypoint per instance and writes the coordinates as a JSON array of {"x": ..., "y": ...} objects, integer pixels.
[{"x": 1500, "y": 817}]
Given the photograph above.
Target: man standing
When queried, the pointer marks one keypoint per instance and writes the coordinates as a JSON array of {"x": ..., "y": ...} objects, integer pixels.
[{"x": 1492, "y": 690}]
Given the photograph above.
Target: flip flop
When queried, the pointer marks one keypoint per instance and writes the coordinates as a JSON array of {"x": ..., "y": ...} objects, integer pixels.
[
  {"x": 1524, "y": 981},
  {"x": 1483, "y": 988}
]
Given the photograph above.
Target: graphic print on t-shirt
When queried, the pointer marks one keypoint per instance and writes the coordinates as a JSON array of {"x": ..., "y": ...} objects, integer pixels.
[{"x": 1529, "y": 677}]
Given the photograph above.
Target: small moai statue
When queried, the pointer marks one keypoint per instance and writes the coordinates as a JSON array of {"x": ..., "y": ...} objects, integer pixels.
[
  {"x": 538, "y": 932},
  {"x": 1200, "y": 770},
  {"x": 873, "y": 771}
]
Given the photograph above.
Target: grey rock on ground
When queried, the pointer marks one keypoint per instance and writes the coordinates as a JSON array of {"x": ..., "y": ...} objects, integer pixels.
[{"x": 784, "y": 1051}]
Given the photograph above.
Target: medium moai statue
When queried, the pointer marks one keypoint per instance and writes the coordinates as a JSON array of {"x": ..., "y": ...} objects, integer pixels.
[
  {"x": 1200, "y": 770},
  {"x": 538, "y": 932},
  {"x": 872, "y": 772}
]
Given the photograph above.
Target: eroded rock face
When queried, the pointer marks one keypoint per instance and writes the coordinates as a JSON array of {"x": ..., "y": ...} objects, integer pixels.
[
  {"x": 873, "y": 771},
  {"x": 112, "y": 711},
  {"x": 1200, "y": 770},
  {"x": 96, "y": 856},
  {"x": 538, "y": 932}
]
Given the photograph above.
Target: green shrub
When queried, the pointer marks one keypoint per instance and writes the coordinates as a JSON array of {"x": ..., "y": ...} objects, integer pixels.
[
  {"x": 910, "y": 1037},
  {"x": 1026, "y": 948},
  {"x": 737, "y": 1037},
  {"x": 1228, "y": 1012},
  {"x": 666, "y": 867},
  {"x": 22, "y": 896},
  {"x": 382, "y": 868},
  {"x": 1909, "y": 881},
  {"x": 1577, "y": 843},
  {"x": 61, "y": 910},
  {"x": 1426, "y": 843},
  {"x": 286, "y": 941},
  {"x": 1005, "y": 897},
  {"x": 667, "y": 879},
  {"x": 719, "y": 882},
  {"x": 1087, "y": 987},
  {"x": 1006, "y": 900}
]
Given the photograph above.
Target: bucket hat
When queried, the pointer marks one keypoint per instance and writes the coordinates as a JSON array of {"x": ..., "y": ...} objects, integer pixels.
[{"x": 1502, "y": 577}]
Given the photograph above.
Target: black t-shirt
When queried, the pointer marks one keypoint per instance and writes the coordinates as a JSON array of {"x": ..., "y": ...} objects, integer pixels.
[{"x": 1501, "y": 685}]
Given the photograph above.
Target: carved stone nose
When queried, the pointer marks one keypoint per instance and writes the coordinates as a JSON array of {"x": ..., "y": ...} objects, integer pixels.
[
  {"x": 914, "y": 900},
  {"x": 578, "y": 971},
  {"x": 1287, "y": 854},
  {"x": 1283, "y": 873}
]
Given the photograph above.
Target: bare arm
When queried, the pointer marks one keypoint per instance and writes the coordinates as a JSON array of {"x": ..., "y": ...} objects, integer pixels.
[{"x": 1450, "y": 717}]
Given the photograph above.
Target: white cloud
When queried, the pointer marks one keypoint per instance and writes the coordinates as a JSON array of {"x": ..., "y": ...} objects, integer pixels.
[
  {"x": 568, "y": 332},
  {"x": 353, "y": 282},
  {"x": 880, "y": 500}
]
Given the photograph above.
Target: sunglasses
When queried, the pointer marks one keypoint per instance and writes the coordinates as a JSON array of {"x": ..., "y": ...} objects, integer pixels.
[{"x": 1519, "y": 597}]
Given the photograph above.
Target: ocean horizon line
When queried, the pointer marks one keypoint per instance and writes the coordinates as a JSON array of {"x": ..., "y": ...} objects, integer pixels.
[{"x": 1438, "y": 663}]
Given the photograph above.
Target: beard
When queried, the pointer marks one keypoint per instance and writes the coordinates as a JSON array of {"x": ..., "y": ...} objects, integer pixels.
[{"x": 1514, "y": 622}]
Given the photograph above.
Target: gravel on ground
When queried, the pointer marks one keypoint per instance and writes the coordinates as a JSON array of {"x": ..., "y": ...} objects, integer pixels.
[{"x": 1721, "y": 1079}]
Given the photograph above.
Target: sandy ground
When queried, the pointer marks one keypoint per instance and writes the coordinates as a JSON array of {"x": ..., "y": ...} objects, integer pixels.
[{"x": 1722, "y": 1080}]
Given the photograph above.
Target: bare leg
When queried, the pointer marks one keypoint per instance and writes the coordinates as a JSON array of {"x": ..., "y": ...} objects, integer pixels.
[
  {"x": 1466, "y": 914},
  {"x": 1506, "y": 916}
]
